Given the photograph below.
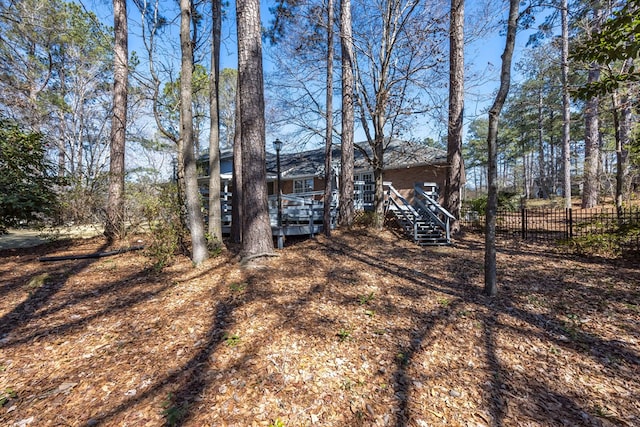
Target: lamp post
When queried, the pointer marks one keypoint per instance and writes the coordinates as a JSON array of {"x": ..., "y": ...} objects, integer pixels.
[{"x": 278, "y": 146}]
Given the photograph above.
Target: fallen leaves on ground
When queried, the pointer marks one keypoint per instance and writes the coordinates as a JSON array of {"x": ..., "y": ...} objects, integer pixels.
[{"x": 361, "y": 329}]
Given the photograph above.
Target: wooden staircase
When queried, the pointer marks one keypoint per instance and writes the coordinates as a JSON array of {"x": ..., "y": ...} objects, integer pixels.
[{"x": 424, "y": 221}]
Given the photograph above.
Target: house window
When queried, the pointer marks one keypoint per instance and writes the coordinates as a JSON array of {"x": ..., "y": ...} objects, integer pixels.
[
  {"x": 365, "y": 188},
  {"x": 303, "y": 185}
]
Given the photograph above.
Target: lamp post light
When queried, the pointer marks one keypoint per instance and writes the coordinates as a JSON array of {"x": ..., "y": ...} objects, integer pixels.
[{"x": 278, "y": 146}]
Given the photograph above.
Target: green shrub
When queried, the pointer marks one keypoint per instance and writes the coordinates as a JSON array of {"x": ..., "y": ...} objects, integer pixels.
[
  {"x": 162, "y": 213},
  {"x": 478, "y": 205},
  {"x": 507, "y": 200},
  {"x": 612, "y": 244},
  {"x": 27, "y": 181}
]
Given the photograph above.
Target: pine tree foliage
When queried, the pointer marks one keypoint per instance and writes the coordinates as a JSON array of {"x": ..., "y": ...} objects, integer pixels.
[{"x": 617, "y": 40}]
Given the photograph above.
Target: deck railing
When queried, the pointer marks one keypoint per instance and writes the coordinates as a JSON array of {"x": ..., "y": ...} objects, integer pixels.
[{"x": 298, "y": 209}]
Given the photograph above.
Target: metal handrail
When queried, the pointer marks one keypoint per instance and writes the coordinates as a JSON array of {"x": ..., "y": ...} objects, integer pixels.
[
  {"x": 423, "y": 207},
  {"x": 448, "y": 217},
  {"x": 433, "y": 202},
  {"x": 406, "y": 207}
]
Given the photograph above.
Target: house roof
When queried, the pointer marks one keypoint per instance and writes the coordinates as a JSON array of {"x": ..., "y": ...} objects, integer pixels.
[
  {"x": 405, "y": 154},
  {"x": 398, "y": 155}
]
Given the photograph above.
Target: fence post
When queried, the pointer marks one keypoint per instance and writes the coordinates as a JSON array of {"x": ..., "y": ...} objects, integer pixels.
[
  {"x": 570, "y": 223},
  {"x": 523, "y": 223}
]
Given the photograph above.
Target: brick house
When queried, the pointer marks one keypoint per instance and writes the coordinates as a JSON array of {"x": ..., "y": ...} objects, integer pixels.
[
  {"x": 406, "y": 164},
  {"x": 415, "y": 172}
]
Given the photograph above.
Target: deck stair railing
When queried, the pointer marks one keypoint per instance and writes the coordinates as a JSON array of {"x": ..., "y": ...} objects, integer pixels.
[{"x": 424, "y": 220}]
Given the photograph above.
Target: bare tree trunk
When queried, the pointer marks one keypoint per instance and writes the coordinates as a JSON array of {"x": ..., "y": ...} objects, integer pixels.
[
  {"x": 256, "y": 234},
  {"x": 215, "y": 214},
  {"x": 525, "y": 172},
  {"x": 62, "y": 160},
  {"x": 490, "y": 270},
  {"x": 180, "y": 183},
  {"x": 346, "y": 172},
  {"x": 166, "y": 130},
  {"x": 453, "y": 186},
  {"x": 378, "y": 198},
  {"x": 591, "y": 185},
  {"x": 115, "y": 226},
  {"x": 566, "y": 107},
  {"x": 625, "y": 144},
  {"x": 199, "y": 251},
  {"x": 622, "y": 124},
  {"x": 541, "y": 164},
  {"x": 328, "y": 171},
  {"x": 236, "y": 201},
  {"x": 591, "y": 179}
]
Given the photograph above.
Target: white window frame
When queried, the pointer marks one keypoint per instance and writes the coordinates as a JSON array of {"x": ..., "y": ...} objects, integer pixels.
[
  {"x": 303, "y": 185},
  {"x": 368, "y": 188}
]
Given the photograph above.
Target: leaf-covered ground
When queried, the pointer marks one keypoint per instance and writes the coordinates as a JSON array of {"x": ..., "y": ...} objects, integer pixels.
[{"x": 361, "y": 329}]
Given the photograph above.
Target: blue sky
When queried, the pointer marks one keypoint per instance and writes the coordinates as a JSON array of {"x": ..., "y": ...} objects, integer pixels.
[{"x": 482, "y": 56}]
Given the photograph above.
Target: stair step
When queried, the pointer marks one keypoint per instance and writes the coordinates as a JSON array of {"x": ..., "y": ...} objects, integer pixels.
[{"x": 420, "y": 227}]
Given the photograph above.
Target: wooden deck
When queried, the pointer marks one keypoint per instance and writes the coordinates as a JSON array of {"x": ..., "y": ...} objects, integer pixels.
[
  {"x": 424, "y": 220},
  {"x": 302, "y": 214}
]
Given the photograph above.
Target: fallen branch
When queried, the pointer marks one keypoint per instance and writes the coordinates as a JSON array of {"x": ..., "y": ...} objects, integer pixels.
[
  {"x": 249, "y": 258},
  {"x": 86, "y": 256}
]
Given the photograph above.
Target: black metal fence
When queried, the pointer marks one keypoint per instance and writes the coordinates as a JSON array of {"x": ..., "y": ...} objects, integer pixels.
[{"x": 552, "y": 225}]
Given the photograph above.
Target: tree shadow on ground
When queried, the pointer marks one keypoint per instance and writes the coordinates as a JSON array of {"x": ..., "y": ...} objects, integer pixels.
[
  {"x": 20, "y": 276},
  {"x": 186, "y": 384},
  {"x": 194, "y": 379},
  {"x": 582, "y": 342},
  {"x": 119, "y": 305},
  {"x": 406, "y": 355},
  {"x": 54, "y": 280}
]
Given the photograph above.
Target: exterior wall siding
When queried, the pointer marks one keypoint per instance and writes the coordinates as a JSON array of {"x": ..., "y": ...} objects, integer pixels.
[
  {"x": 402, "y": 179},
  {"x": 287, "y": 185}
]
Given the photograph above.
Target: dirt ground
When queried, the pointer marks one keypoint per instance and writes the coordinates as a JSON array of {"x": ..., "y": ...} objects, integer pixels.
[{"x": 361, "y": 329}]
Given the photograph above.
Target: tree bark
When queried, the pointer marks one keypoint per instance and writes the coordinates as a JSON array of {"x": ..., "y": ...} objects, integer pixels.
[
  {"x": 542, "y": 182},
  {"x": 622, "y": 123},
  {"x": 115, "y": 226},
  {"x": 378, "y": 198},
  {"x": 215, "y": 215},
  {"x": 592, "y": 165},
  {"x": 256, "y": 234},
  {"x": 236, "y": 201},
  {"x": 453, "y": 185},
  {"x": 328, "y": 171},
  {"x": 591, "y": 179},
  {"x": 346, "y": 215},
  {"x": 566, "y": 107},
  {"x": 490, "y": 270},
  {"x": 199, "y": 251}
]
